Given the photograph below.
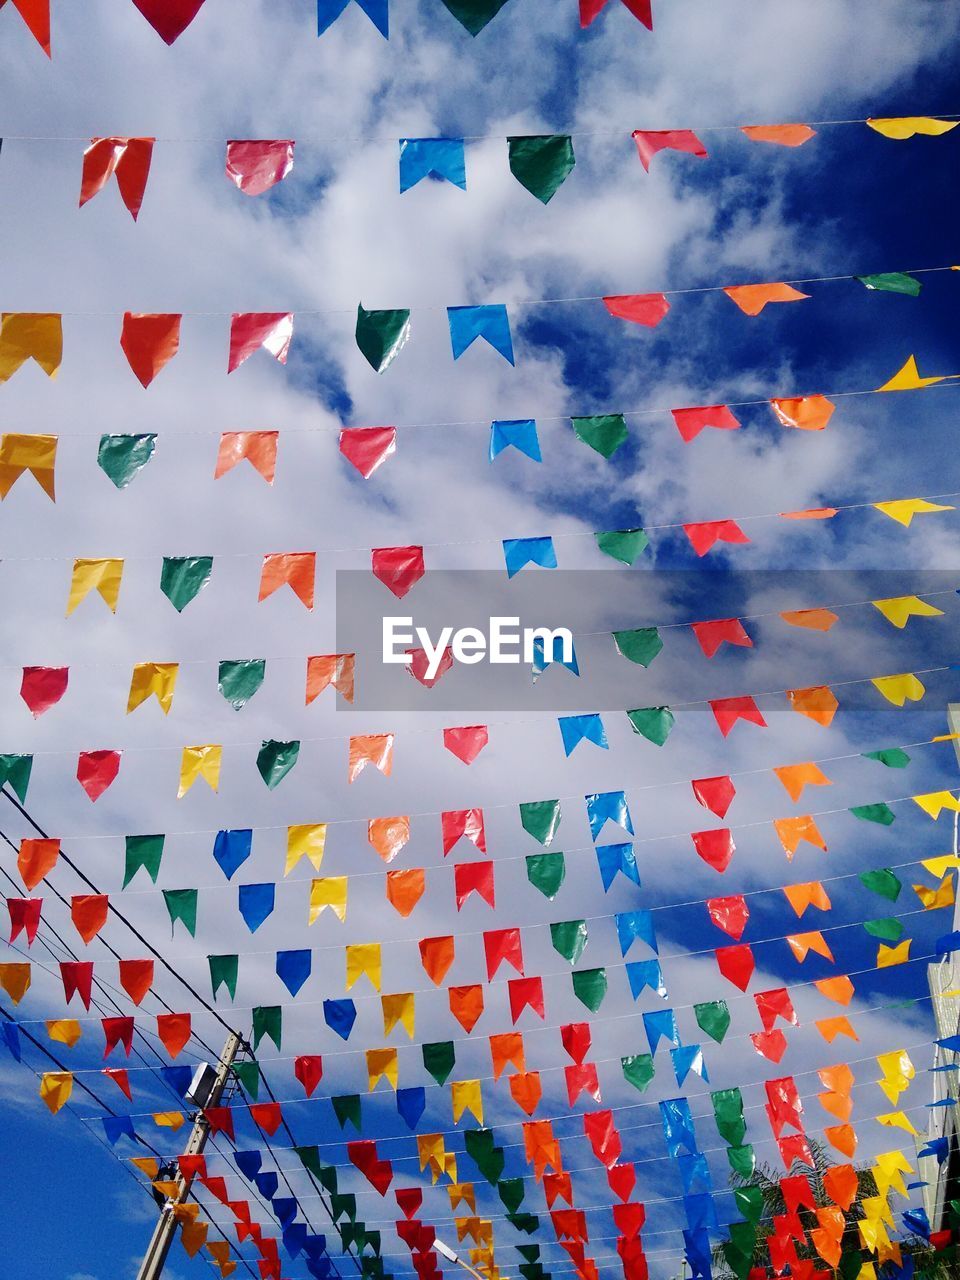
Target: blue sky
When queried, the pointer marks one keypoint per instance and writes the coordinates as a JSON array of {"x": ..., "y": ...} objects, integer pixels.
[{"x": 338, "y": 232}]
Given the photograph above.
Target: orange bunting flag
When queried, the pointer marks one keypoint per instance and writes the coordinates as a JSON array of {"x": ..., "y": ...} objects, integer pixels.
[
  {"x": 30, "y": 336},
  {"x": 752, "y": 298},
  {"x": 797, "y": 776},
  {"x": 15, "y": 980},
  {"x": 811, "y": 894},
  {"x": 805, "y": 413},
  {"x": 126, "y": 158},
  {"x": 812, "y": 619},
  {"x": 507, "y": 1050},
  {"x": 56, "y": 1088},
  {"x": 388, "y": 835},
  {"x": 64, "y": 1031},
  {"x": 466, "y": 1005},
  {"x": 784, "y": 135},
  {"x": 526, "y": 1090},
  {"x": 370, "y": 748},
  {"x": 19, "y": 453},
  {"x": 405, "y": 888},
  {"x": 843, "y": 1137},
  {"x": 296, "y": 569},
  {"x": 793, "y": 831},
  {"x": 88, "y": 911},
  {"x": 840, "y": 1183},
  {"x": 801, "y": 944},
  {"x": 258, "y": 447},
  {"x": 436, "y": 956},
  {"x": 830, "y": 1028},
  {"x": 336, "y": 669},
  {"x": 840, "y": 989},
  {"x": 35, "y": 859},
  {"x": 933, "y": 899},
  {"x": 817, "y": 703}
]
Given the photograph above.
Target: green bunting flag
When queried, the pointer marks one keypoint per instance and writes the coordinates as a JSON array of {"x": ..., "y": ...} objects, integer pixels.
[
  {"x": 15, "y": 770},
  {"x": 623, "y": 544},
  {"x": 749, "y": 1202},
  {"x": 182, "y": 906},
  {"x": 240, "y": 680},
  {"x": 892, "y": 282},
  {"x": 183, "y": 577},
  {"x": 569, "y": 938},
  {"x": 511, "y": 1192},
  {"x": 347, "y": 1109},
  {"x": 474, "y": 14},
  {"x": 343, "y": 1204},
  {"x": 439, "y": 1060},
  {"x": 638, "y": 1070},
  {"x": 381, "y": 335},
  {"x": 276, "y": 759},
  {"x": 327, "y": 1177},
  {"x": 268, "y": 1021},
  {"x": 529, "y": 1251},
  {"x": 529, "y": 1223},
  {"x": 223, "y": 973},
  {"x": 883, "y": 882},
  {"x": 604, "y": 433},
  {"x": 728, "y": 1113},
  {"x": 546, "y": 872},
  {"x": 540, "y": 819},
  {"x": 248, "y": 1073},
  {"x": 542, "y": 163},
  {"x": 880, "y": 813},
  {"x": 122, "y": 457},
  {"x": 142, "y": 851},
  {"x": 489, "y": 1158},
  {"x": 713, "y": 1019},
  {"x": 742, "y": 1160},
  {"x": 640, "y": 646},
  {"x": 652, "y": 723},
  {"x": 310, "y": 1159},
  {"x": 590, "y": 986},
  {"x": 892, "y": 757},
  {"x": 888, "y": 929}
]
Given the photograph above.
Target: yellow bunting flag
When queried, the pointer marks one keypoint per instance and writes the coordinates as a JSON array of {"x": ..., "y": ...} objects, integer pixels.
[
  {"x": 937, "y": 866},
  {"x": 899, "y": 689},
  {"x": 193, "y": 1236},
  {"x": 102, "y": 576},
  {"x": 64, "y": 1031},
  {"x": 169, "y": 1120},
  {"x": 306, "y": 842},
  {"x": 19, "y": 453},
  {"x": 330, "y": 891},
  {"x": 153, "y": 678},
  {"x": 149, "y": 1166},
  {"x": 462, "y": 1193},
  {"x": 432, "y": 1152},
  {"x": 901, "y": 127},
  {"x": 166, "y": 1187},
  {"x": 908, "y": 379},
  {"x": 934, "y": 802},
  {"x": 465, "y": 1096},
  {"x": 887, "y": 957},
  {"x": 904, "y": 509},
  {"x": 901, "y": 609},
  {"x": 897, "y": 1120},
  {"x": 897, "y": 1072},
  {"x": 363, "y": 958},
  {"x": 56, "y": 1088},
  {"x": 27, "y": 336},
  {"x": 200, "y": 762},
  {"x": 888, "y": 1168},
  {"x": 933, "y": 899},
  {"x": 382, "y": 1064},
  {"x": 795, "y": 777},
  {"x": 399, "y": 1008},
  {"x": 15, "y": 979}
]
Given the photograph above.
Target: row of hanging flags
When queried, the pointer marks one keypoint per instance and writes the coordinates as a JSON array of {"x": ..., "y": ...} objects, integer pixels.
[
  {"x": 539, "y": 162},
  {"x": 170, "y": 18}
]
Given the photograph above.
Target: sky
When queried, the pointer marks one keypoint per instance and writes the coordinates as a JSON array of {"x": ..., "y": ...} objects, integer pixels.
[{"x": 337, "y": 232}]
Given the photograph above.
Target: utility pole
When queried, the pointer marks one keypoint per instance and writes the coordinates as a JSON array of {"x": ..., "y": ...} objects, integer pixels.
[{"x": 156, "y": 1256}]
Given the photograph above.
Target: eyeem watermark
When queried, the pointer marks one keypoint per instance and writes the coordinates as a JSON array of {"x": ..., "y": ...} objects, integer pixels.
[{"x": 504, "y": 643}]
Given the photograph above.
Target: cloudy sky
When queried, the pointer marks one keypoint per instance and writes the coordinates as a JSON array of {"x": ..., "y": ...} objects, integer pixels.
[{"x": 335, "y": 233}]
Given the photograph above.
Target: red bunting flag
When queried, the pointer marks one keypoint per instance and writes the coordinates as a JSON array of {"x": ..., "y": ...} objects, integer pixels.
[
  {"x": 419, "y": 665},
  {"x": 36, "y": 14},
  {"x": 398, "y": 568},
  {"x": 249, "y": 331},
  {"x": 708, "y": 533},
  {"x": 651, "y": 141},
  {"x": 120, "y": 1078},
  {"x": 256, "y": 166},
  {"x": 711, "y": 635},
  {"x": 524, "y": 993},
  {"x": 77, "y": 976},
  {"x": 690, "y": 422},
  {"x": 149, "y": 342},
  {"x": 603, "y": 1137},
  {"x": 501, "y": 945},
  {"x": 457, "y": 824},
  {"x": 42, "y": 687},
  {"x": 367, "y": 448},
  {"x": 715, "y": 794},
  {"x": 771, "y": 1045},
  {"x": 576, "y": 1039},
  {"x": 557, "y": 1186},
  {"x": 736, "y": 964},
  {"x": 727, "y": 711},
  {"x": 582, "y": 1078},
  {"x": 97, "y": 770},
  {"x": 169, "y": 18},
  {"x": 127, "y": 158},
  {"x": 474, "y": 877},
  {"x": 136, "y": 978},
  {"x": 117, "y": 1031},
  {"x": 88, "y": 911},
  {"x": 220, "y": 1120},
  {"x": 466, "y": 742},
  {"x": 729, "y": 914},
  {"x": 267, "y": 1116},
  {"x": 308, "y": 1068},
  {"x": 174, "y": 1031},
  {"x": 363, "y": 1154},
  {"x": 24, "y": 917},
  {"x": 409, "y": 1200},
  {"x": 622, "y": 1179},
  {"x": 647, "y": 309},
  {"x": 640, "y": 9},
  {"x": 629, "y": 1218},
  {"x": 715, "y": 847},
  {"x": 775, "y": 1004}
]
